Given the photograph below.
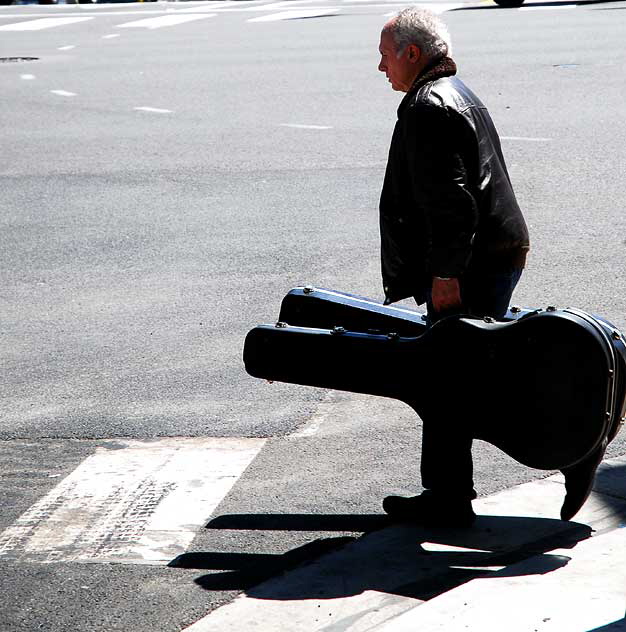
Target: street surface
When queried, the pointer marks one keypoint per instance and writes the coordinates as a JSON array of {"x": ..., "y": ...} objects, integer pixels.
[{"x": 168, "y": 171}]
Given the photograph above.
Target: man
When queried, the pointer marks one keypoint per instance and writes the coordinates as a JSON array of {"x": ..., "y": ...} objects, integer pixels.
[{"x": 452, "y": 236}]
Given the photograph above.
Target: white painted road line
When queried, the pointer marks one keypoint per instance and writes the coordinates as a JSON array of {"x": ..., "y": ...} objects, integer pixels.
[
  {"x": 69, "y": 47},
  {"x": 43, "y": 23},
  {"x": 164, "y": 20},
  {"x": 437, "y": 8},
  {"x": 297, "y": 14},
  {"x": 27, "y": 77},
  {"x": 554, "y": 7},
  {"x": 212, "y": 5},
  {"x": 301, "y": 126},
  {"x": 82, "y": 13},
  {"x": 279, "y": 5},
  {"x": 442, "y": 7},
  {"x": 525, "y": 138},
  {"x": 131, "y": 502},
  {"x": 155, "y": 110},
  {"x": 63, "y": 93},
  {"x": 110, "y": 36}
]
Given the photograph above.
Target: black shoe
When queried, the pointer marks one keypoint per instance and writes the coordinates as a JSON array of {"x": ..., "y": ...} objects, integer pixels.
[
  {"x": 430, "y": 510},
  {"x": 579, "y": 482}
]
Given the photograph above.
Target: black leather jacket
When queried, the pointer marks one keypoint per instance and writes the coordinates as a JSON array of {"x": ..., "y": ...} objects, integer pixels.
[{"x": 447, "y": 205}]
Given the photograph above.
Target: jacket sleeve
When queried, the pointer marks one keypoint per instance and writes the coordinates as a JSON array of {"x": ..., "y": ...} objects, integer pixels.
[{"x": 439, "y": 187}]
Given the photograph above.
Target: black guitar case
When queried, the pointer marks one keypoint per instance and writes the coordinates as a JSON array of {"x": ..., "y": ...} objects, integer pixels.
[{"x": 546, "y": 386}]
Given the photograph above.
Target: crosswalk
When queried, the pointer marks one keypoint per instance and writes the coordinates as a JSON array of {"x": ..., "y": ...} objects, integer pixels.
[
  {"x": 133, "y": 501},
  {"x": 253, "y": 11},
  {"x": 285, "y": 10},
  {"x": 157, "y": 22},
  {"x": 162, "y": 21}
]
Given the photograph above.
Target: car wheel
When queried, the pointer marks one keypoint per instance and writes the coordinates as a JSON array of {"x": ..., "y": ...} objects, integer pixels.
[{"x": 509, "y": 4}]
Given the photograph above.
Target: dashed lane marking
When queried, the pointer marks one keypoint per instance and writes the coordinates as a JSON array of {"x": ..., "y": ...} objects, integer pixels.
[
  {"x": 27, "y": 77},
  {"x": 131, "y": 501},
  {"x": 110, "y": 36},
  {"x": 165, "y": 20},
  {"x": 526, "y": 138},
  {"x": 40, "y": 24},
  {"x": 154, "y": 110},
  {"x": 63, "y": 93},
  {"x": 302, "y": 126}
]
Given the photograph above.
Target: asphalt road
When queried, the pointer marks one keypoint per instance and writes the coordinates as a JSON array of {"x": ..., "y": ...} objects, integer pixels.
[{"x": 163, "y": 188}]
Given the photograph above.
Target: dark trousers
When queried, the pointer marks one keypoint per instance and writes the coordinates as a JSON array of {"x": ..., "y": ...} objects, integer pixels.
[{"x": 446, "y": 466}]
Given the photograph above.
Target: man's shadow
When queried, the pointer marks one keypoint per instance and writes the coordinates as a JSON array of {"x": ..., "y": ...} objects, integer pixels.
[
  {"x": 399, "y": 561},
  {"x": 404, "y": 560}
]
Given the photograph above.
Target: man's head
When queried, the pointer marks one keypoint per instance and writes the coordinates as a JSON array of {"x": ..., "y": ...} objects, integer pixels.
[{"x": 408, "y": 43}]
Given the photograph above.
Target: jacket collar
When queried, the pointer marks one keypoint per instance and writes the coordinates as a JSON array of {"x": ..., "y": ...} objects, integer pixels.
[{"x": 437, "y": 69}]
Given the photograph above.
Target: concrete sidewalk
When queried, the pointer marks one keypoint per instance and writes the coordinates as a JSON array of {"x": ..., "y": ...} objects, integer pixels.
[{"x": 518, "y": 568}]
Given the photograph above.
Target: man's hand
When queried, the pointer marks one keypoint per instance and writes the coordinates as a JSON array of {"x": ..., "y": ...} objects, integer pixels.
[{"x": 446, "y": 294}]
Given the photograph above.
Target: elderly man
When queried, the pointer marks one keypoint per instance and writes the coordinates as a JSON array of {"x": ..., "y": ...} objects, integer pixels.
[
  {"x": 452, "y": 233},
  {"x": 453, "y": 237}
]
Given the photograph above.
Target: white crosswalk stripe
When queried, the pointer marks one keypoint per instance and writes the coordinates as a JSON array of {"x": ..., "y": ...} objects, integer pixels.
[
  {"x": 221, "y": 5},
  {"x": 296, "y": 14},
  {"x": 165, "y": 20},
  {"x": 440, "y": 7},
  {"x": 132, "y": 502},
  {"x": 41, "y": 23}
]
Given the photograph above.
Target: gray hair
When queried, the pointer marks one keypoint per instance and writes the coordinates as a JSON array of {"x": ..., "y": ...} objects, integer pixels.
[{"x": 422, "y": 28}]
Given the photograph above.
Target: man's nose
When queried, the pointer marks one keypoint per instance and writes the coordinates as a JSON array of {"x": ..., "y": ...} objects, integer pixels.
[{"x": 381, "y": 66}]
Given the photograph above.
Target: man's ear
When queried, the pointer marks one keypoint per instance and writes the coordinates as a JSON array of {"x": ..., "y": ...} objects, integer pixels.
[{"x": 413, "y": 53}]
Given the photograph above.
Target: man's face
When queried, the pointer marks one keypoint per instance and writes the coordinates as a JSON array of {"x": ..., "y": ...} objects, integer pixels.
[{"x": 401, "y": 70}]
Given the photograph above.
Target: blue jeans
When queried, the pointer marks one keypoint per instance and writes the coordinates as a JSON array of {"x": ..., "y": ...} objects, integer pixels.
[{"x": 446, "y": 466}]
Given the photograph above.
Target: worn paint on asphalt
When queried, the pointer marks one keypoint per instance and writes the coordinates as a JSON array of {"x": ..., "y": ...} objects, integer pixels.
[{"x": 131, "y": 501}]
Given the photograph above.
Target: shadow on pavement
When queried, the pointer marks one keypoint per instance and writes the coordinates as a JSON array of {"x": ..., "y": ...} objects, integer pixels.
[
  {"x": 362, "y": 523},
  {"x": 399, "y": 560},
  {"x": 250, "y": 569}
]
